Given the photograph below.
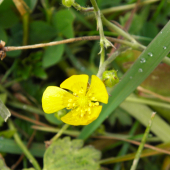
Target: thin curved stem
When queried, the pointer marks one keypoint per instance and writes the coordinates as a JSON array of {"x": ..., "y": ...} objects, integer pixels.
[
  {"x": 59, "y": 133},
  {"x": 23, "y": 147},
  {"x": 71, "y": 40}
]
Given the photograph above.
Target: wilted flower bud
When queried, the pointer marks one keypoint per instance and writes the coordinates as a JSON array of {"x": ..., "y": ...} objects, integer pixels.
[
  {"x": 110, "y": 78},
  {"x": 68, "y": 3}
]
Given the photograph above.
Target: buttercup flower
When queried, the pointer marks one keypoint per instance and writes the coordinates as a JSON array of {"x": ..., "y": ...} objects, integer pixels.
[{"x": 82, "y": 101}]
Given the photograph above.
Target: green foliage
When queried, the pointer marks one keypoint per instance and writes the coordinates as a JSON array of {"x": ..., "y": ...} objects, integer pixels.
[
  {"x": 24, "y": 74},
  {"x": 31, "y": 4},
  {"x": 52, "y": 55},
  {"x": 134, "y": 77},
  {"x": 65, "y": 154},
  {"x": 53, "y": 119},
  {"x": 63, "y": 23},
  {"x": 2, "y": 164},
  {"x": 123, "y": 118},
  {"x": 38, "y": 30},
  {"x": 4, "y": 112}
]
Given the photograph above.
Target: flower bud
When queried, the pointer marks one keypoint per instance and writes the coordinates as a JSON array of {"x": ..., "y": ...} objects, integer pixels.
[
  {"x": 68, "y": 3},
  {"x": 60, "y": 114},
  {"x": 110, "y": 78}
]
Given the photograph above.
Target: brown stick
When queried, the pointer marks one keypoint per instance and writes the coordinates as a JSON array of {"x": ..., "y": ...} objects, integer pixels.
[
  {"x": 135, "y": 143},
  {"x": 71, "y": 40},
  {"x": 167, "y": 99},
  {"x": 28, "y": 119}
]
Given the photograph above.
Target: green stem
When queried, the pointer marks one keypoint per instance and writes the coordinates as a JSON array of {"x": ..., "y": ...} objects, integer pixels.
[
  {"x": 166, "y": 60},
  {"x": 23, "y": 147},
  {"x": 9, "y": 71},
  {"x": 100, "y": 26},
  {"x": 139, "y": 151},
  {"x": 25, "y": 19},
  {"x": 25, "y": 107},
  {"x": 103, "y": 67},
  {"x": 117, "y": 29},
  {"x": 149, "y": 102},
  {"x": 8, "y": 84},
  {"x": 59, "y": 133},
  {"x": 80, "y": 8},
  {"x": 126, "y": 7}
]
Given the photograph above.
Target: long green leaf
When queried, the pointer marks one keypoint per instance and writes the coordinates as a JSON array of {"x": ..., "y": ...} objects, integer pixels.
[
  {"x": 143, "y": 66},
  {"x": 10, "y": 146}
]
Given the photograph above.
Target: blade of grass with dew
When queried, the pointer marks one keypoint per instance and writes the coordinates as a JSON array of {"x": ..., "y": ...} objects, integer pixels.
[{"x": 152, "y": 56}]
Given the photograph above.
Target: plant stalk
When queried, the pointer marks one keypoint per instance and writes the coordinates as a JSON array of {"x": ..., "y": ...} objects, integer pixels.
[{"x": 23, "y": 147}]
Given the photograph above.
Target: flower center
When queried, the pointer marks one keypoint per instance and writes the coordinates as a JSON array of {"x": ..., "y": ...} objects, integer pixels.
[{"x": 83, "y": 101}]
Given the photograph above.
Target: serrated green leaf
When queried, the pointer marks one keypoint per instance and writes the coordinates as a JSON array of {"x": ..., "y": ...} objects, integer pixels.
[
  {"x": 153, "y": 55},
  {"x": 63, "y": 22},
  {"x": 2, "y": 164},
  {"x": 4, "y": 112},
  {"x": 65, "y": 154},
  {"x": 53, "y": 54}
]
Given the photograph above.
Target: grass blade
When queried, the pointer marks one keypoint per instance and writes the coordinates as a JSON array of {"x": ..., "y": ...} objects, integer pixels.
[{"x": 152, "y": 55}]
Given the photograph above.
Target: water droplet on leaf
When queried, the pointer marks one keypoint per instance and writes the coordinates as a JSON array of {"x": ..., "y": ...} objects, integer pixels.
[
  {"x": 150, "y": 54},
  {"x": 140, "y": 70},
  {"x": 164, "y": 47},
  {"x": 142, "y": 60}
]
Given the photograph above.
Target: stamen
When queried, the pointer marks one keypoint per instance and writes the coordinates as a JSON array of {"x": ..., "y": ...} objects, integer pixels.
[
  {"x": 93, "y": 98},
  {"x": 96, "y": 103},
  {"x": 70, "y": 100}
]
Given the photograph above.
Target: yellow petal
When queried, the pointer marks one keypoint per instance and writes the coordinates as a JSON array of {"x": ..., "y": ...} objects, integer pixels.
[
  {"x": 55, "y": 99},
  {"x": 74, "y": 116},
  {"x": 76, "y": 83},
  {"x": 97, "y": 90}
]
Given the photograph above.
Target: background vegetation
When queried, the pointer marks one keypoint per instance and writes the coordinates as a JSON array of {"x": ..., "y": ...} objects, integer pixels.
[{"x": 115, "y": 136}]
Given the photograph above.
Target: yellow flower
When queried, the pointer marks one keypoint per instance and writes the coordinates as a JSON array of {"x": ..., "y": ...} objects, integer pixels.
[{"x": 83, "y": 101}]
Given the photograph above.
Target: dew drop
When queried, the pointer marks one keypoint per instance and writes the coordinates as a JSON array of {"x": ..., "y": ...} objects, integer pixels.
[
  {"x": 140, "y": 70},
  {"x": 142, "y": 60},
  {"x": 161, "y": 32},
  {"x": 130, "y": 77},
  {"x": 150, "y": 54},
  {"x": 164, "y": 47}
]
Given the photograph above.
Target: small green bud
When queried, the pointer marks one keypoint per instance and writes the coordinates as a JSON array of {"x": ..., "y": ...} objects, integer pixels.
[
  {"x": 68, "y": 3},
  {"x": 110, "y": 78},
  {"x": 60, "y": 114}
]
